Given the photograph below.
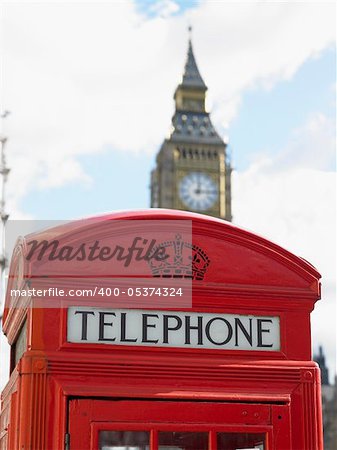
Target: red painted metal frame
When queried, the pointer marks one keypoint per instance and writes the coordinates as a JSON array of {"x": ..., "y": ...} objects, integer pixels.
[
  {"x": 94, "y": 416},
  {"x": 34, "y": 404}
]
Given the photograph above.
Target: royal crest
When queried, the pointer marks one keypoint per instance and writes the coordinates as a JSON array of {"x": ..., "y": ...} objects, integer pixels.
[{"x": 185, "y": 260}]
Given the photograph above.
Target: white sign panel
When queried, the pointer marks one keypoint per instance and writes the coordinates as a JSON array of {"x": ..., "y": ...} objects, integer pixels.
[{"x": 88, "y": 325}]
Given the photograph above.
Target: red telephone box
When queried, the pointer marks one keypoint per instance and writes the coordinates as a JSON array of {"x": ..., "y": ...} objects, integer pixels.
[{"x": 202, "y": 344}]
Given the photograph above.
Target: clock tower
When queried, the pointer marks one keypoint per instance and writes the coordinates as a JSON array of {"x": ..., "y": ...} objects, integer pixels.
[{"x": 192, "y": 171}]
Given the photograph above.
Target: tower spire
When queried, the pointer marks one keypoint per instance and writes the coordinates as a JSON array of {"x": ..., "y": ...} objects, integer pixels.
[
  {"x": 189, "y": 29},
  {"x": 191, "y": 76}
]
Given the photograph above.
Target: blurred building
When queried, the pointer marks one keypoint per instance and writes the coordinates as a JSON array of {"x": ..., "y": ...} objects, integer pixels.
[
  {"x": 192, "y": 169},
  {"x": 329, "y": 404}
]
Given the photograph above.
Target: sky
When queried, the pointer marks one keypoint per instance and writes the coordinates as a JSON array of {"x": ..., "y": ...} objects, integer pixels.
[{"x": 89, "y": 87}]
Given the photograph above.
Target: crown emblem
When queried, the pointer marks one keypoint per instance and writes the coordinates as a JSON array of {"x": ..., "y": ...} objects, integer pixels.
[{"x": 185, "y": 260}]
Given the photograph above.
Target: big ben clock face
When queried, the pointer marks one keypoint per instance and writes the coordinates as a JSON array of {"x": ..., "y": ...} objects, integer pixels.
[{"x": 198, "y": 191}]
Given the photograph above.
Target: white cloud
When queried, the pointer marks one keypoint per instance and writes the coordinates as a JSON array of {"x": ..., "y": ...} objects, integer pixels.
[
  {"x": 79, "y": 76},
  {"x": 312, "y": 146},
  {"x": 56, "y": 173},
  {"x": 253, "y": 44}
]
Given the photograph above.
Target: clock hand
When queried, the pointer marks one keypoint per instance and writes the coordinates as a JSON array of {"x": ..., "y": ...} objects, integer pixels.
[
  {"x": 198, "y": 182},
  {"x": 207, "y": 191}
]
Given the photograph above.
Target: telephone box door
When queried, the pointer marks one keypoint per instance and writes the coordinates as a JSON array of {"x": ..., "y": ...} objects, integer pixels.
[{"x": 173, "y": 425}]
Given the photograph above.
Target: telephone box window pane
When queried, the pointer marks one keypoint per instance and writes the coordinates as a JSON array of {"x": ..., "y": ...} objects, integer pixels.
[
  {"x": 124, "y": 440},
  {"x": 182, "y": 441},
  {"x": 241, "y": 441},
  {"x": 20, "y": 344}
]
